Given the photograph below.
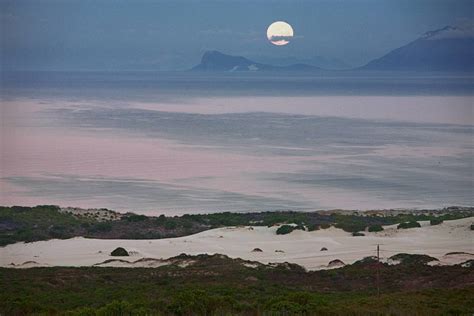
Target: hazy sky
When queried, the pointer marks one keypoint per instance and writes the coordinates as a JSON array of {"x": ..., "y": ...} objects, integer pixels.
[{"x": 119, "y": 34}]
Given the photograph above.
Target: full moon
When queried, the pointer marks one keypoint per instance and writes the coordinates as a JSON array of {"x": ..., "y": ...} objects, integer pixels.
[{"x": 279, "y": 33}]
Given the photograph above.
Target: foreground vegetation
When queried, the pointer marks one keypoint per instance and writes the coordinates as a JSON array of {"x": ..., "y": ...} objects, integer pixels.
[
  {"x": 47, "y": 221},
  {"x": 218, "y": 285}
]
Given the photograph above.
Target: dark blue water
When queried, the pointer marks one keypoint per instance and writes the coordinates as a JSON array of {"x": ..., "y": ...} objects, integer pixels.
[{"x": 182, "y": 142}]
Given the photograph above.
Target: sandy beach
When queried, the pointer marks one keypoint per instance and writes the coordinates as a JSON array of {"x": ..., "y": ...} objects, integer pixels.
[{"x": 300, "y": 247}]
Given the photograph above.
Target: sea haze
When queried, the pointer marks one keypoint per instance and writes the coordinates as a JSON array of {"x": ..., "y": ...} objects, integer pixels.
[{"x": 179, "y": 143}]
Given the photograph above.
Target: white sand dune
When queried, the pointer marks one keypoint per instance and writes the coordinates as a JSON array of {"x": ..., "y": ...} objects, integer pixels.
[{"x": 301, "y": 247}]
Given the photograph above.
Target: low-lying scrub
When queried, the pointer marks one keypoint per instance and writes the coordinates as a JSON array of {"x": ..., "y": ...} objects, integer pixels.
[
  {"x": 286, "y": 229},
  {"x": 436, "y": 221},
  {"x": 406, "y": 225},
  {"x": 48, "y": 221},
  {"x": 375, "y": 228},
  {"x": 218, "y": 285},
  {"x": 417, "y": 259}
]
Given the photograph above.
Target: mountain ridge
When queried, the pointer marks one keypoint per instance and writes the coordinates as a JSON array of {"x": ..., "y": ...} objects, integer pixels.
[
  {"x": 447, "y": 49},
  {"x": 450, "y": 48},
  {"x": 217, "y": 61}
]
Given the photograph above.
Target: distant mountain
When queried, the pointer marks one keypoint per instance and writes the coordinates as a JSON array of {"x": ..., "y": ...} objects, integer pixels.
[
  {"x": 317, "y": 61},
  {"x": 217, "y": 61},
  {"x": 447, "y": 49}
]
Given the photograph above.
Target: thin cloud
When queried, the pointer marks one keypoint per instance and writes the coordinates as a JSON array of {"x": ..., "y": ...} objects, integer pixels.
[{"x": 277, "y": 38}]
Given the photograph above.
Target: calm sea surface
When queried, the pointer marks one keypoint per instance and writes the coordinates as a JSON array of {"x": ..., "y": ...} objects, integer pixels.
[{"x": 179, "y": 143}]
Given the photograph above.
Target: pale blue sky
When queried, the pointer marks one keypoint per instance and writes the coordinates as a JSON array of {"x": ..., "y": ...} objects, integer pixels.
[{"x": 119, "y": 34}]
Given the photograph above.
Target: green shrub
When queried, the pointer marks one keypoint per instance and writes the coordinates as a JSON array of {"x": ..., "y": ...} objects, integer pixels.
[
  {"x": 119, "y": 252},
  {"x": 187, "y": 224},
  {"x": 406, "y": 225},
  {"x": 312, "y": 227},
  {"x": 6, "y": 239},
  {"x": 406, "y": 258},
  {"x": 83, "y": 311},
  {"x": 101, "y": 227},
  {"x": 286, "y": 308},
  {"x": 285, "y": 229},
  {"x": 366, "y": 260},
  {"x": 116, "y": 308},
  {"x": 160, "y": 220},
  {"x": 436, "y": 221},
  {"x": 358, "y": 234},
  {"x": 351, "y": 227},
  {"x": 58, "y": 231},
  {"x": 190, "y": 302},
  {"x": 375, "y": 228},
  {"x": 296, "y": 303},
  {"x": 135, "y": 218},
  {"x": 171, "y": 224}
]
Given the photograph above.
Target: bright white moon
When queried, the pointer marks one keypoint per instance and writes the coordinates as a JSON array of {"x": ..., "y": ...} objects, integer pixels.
[{"x": 279, "y": 33}]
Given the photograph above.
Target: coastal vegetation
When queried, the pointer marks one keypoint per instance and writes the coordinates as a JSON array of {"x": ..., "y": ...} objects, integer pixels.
[
  {"x": 48, "y": 221},
  {"x": 411, "y": 224},
  {"x": 435, "y": 221},
  {"x": 286, "y": 229},
  {"x": 417, "y": 259},
  {"x": 218, "y": 285},
  {"x": 375, "y": 228},
  {"x": 119, "y": 252}
]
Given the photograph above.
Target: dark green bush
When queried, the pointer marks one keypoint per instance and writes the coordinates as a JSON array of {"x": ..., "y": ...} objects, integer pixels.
[
  {"x": 189, "y": 302},
  {"x": 171, "y": 224},
  {"x": 135, "y": 218},
  {"x": 375, "y": 228},
  {"x": 406, "y": 258},
  {"x": 285, "y": 229},
  {"x": 436, "y": 221},
  {"x": 312, "y": 227},
  {"x": 119, "y": 252},
  {"x": 286, "y": 308},
  {"x": 100, "y": 227},
  {"x": 160, "y": 220},
  {"x": 406, "y": 225},
  {"x": 116, "y": 308},
  {"x": 358, "y": 234},
  {"x": 58, "y": 231},
  {"x": 351, "y": 227}
]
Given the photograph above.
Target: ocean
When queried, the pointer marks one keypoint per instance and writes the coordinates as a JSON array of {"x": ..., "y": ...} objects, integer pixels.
[{"x": 180, "y": 142}]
